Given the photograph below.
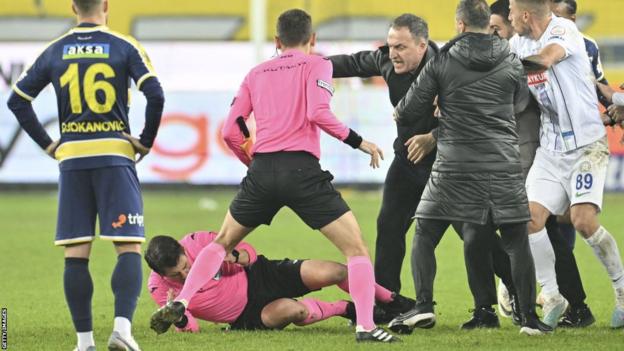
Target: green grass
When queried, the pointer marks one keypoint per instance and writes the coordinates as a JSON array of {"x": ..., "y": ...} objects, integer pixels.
[{"x": 31, "y": 281}]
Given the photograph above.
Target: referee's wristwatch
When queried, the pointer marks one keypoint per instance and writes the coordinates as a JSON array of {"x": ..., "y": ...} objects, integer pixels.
[{"x": 236, "y": 254}]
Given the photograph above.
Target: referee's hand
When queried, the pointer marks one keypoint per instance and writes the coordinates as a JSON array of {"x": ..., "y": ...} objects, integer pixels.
[
  {"x": 138, "y": 147},
  {"x": 374, "y": 151}
]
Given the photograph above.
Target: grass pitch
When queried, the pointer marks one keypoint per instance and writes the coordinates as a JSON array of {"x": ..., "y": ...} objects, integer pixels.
[{"x": 31, "y": 287}]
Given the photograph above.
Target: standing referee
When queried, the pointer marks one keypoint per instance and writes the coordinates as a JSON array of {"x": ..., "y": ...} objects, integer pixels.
[{"x": 290, "y": 97}]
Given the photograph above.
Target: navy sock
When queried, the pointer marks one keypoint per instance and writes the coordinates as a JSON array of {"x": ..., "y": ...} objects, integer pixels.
[
  {"x": 78, "y": 292},
  {"x": 126, "y": 282}
]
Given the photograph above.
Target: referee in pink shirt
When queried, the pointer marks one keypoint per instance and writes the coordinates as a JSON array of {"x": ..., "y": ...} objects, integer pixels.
[{"x": 289, "y": 96}]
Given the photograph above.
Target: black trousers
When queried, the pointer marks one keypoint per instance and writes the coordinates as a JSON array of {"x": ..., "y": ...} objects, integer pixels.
[
  {"x": 485, "y": 256},
  {"x": 568, "y": 276},
  {"x": 480, "y": 278},
  {"x": 402, "y": 190},
  {"x": 514, "y": 240}
]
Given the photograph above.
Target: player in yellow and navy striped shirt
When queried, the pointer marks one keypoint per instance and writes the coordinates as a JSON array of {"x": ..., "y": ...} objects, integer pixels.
[{"x": 90, "y": 68}]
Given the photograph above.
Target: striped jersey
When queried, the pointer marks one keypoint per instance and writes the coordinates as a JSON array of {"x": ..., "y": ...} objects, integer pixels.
[
  {"x": 90, "y": 68},
  {"x": 565, "y": 92}
]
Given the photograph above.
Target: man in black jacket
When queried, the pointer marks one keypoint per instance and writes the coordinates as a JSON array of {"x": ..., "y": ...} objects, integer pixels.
[
  {"x": 477, "y": 176},
  {"x": 399, "y": 63}
]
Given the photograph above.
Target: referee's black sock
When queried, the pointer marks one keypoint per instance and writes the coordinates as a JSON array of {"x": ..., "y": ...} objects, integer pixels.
[
  {"x": 78, "y": 292},
  {"x": 126, "y": 284}
]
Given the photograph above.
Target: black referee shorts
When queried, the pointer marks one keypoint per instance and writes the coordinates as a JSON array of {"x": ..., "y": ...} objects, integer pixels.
[
  {"x": 267, "y": 281},
  {"x": 293, "y": 179}
]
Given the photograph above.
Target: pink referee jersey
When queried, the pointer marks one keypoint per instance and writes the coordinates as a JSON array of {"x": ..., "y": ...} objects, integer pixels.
[
  {"x": 289, "y": 96},
  {"x": 222, "y": 299}
]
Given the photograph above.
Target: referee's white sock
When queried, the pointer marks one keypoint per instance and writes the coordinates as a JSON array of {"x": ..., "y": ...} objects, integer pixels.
[
  {"x": 606, "y": 249},
  {"x": 544, "y": 258}
]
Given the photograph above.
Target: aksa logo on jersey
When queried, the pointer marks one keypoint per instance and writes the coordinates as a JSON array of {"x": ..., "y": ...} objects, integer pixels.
[{"x": 90, "y": 50}]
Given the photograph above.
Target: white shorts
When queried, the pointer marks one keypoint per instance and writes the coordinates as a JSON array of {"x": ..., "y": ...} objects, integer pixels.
[{"x": 558, "y": 181}]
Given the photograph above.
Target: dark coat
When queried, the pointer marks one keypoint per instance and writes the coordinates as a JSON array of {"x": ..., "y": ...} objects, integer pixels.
[
  {"x": 366, "y": 64},
  {"x": 477, "y": 171}
]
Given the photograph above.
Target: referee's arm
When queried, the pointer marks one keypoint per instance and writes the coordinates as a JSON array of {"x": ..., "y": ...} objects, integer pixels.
[{"x": 232, "y": 133}]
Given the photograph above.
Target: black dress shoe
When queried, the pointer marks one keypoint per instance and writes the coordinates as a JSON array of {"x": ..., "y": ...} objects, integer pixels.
[
  {"x": 577, "y": 317},
  {"x": 482, "y": 317},
  {"x": 532, "y": 325}
]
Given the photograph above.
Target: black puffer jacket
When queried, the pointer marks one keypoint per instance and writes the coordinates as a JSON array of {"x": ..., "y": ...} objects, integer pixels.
[
  {"x": 477, "y": 171},
  {"x": 366, "y": 64}
]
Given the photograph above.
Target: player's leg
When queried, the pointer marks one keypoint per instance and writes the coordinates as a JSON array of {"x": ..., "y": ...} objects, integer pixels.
[
  {"x": 479, "y": 268},
  {"x": 585, "y": 219},
  {"x": 120, "y": 210},
  {"x": 547, "y": 194},
  {"x": 587, "y": 187},
  {"x": 78, "y": 287},
  {"x": 75, "y": 230},
  {"x": 429, "y": 232},
  {"x": 402, "y": 190}
]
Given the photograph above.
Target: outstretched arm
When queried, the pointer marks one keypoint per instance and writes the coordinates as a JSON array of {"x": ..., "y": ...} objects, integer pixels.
[
  {"x": 362, "y": 64},
  {"x": 549, "y": 56}
]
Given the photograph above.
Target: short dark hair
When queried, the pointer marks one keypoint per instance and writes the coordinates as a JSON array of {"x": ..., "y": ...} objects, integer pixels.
[
  {"x": 571, "y": 6},
  {"x": 539, "y": 7},
  {"x": 294, "y": 27},
  {"x": 417, "y": 26},
  {"x": 86, "y": 6},
  {"x": 501, "y": 8},
  {"x": 474, "y": 13},
  {"x": 163, "y": 252}
]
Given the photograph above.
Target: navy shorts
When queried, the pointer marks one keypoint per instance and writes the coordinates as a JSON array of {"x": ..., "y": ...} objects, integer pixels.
[{"x": 111, "y": 194}]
